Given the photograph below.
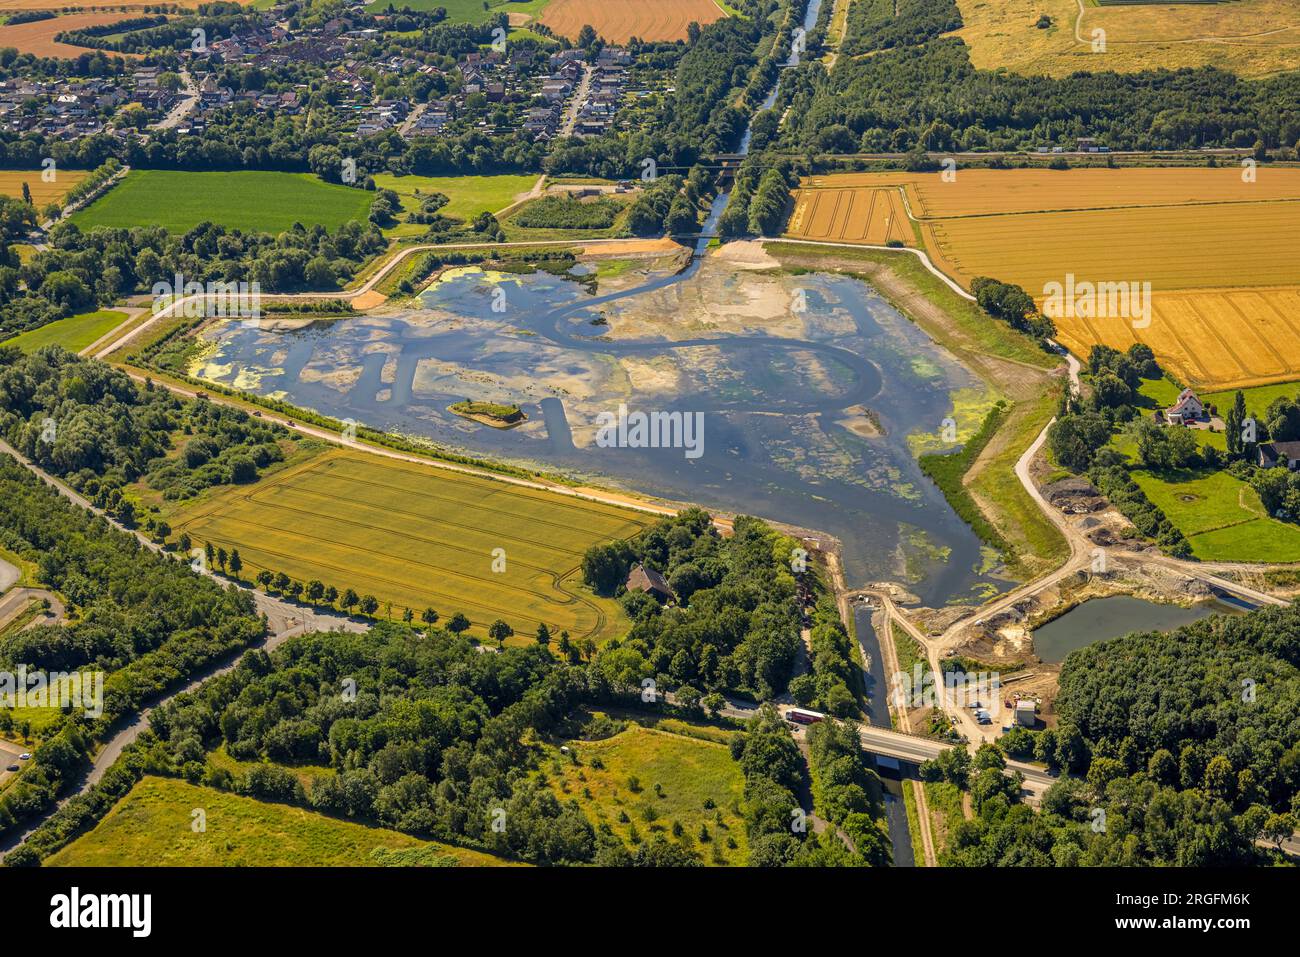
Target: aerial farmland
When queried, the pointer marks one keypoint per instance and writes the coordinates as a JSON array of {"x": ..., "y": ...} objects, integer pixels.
[
  {"x": 417, "y": 537},
  {"x": 627, "y": 441},
  {"x": 1222, "y": 302},
  {"x": 620, "y": 20}
]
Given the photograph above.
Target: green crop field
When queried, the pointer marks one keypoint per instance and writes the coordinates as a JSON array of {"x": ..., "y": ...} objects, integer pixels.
[
  {"x": 1221, "y": 516},
  {"x": 152, "y": 827},
  {"x": 73, "y": 333},
  {"x": 255, "y": 201},
  {"x": 675, "y": 777},
  {"x": 468, "y": 195},
  {"x": 471, "y": 11},
  {"x": 420, "y": 536}
]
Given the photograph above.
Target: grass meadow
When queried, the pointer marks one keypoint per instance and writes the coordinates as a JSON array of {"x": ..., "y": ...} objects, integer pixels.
[
  {"x": 468, "y": 195},
  {"x": 152, "y": 827},
  {"x": 643, "y": 780},
  {"x": 73, "y": 333},
  {"x": 1222, "y": 517}
]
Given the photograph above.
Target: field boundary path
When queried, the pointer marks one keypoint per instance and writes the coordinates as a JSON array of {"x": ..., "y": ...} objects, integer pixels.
[
  {"x": 82, "y": 203},
  {"x": 591, "y": 494},
  {"x": 920, "y": 254}
]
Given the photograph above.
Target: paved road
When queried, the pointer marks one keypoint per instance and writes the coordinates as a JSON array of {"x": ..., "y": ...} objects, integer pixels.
[
  {"x": 575, "y": 103},
  {"x": 284, "y": 621},
  {"x": 907, "y": 747},
  {"x": 918, "y": 253},
  {"x": 16, "y": 601},
  {"x": 8, "y": 575},
  {"x": 9, "y": 755},
  {"x": 189, "y": 98},
  {"x": 345, "y": 294}
]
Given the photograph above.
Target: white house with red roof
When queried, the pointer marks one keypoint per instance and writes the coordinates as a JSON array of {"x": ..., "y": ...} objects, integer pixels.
[{"x": 1186, "y": 410}]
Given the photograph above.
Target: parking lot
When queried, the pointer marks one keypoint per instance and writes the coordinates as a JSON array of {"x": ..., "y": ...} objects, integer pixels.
[{"x": 9, "y": 755}]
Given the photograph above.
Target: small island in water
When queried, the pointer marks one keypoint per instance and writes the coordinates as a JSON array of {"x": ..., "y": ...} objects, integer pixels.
[{"x": 490, "y": 413}]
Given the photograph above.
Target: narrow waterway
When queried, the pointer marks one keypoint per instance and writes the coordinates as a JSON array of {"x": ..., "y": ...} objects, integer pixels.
[
  {"x": 877, "y": 692},
  {"x": 815, "y": 427}
]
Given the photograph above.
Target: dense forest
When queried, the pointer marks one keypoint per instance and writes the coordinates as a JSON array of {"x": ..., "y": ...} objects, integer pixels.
[
  {"x": 881, "y": 24},
  {"x": 101, "y": 265},
  {"x": 91, "y": 425},
  {"x": 779, "y": 833},
  {"x": 929, "y": 96},
  {"x": 146, "y": 620},
  {"x": 734, "y": 623},
  {"x": 1179, "y": 749}
]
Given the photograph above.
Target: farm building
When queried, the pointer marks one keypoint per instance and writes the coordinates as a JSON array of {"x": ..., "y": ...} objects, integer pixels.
[
  {"x": 1187, "y": 409},
  {"x": 1286, "y": 454},
  {"x": 649, "y": 581}
]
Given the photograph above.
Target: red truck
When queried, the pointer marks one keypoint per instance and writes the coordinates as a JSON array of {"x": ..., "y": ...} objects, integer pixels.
[{"x": 799, "y": 716}]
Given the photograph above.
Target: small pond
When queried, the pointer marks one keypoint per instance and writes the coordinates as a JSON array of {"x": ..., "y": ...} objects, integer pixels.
[{"x": 1101, "y": 618}]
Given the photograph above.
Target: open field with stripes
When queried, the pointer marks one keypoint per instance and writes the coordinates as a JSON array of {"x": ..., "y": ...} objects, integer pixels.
[
  {"x": 422, "y": 537},
  {"x": 617, "y": 21},
  {"x": 1216, "y": 249},
  {"x": 1252, "y": 38},
  {"x": 851, "y": 215},
  {"x": 43, "y": 193}
]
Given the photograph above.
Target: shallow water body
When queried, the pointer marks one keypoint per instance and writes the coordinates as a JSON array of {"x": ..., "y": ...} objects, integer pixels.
[{"x": 780, "y": 404}]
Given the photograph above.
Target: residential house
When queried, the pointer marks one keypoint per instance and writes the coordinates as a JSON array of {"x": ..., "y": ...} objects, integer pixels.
[
  {"x": 1273, "y": 454},
  {"x": 1186, "y": 410},
  {"x": 649, "y": 581}
]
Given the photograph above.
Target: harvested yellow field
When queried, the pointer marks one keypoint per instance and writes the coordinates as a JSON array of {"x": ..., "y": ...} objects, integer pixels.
[
  {"x": 1216, "y": 251},
  {"x": 854, "y": 215},
  {"x": 982, "y": 192},
  {"x": 11, "y": 184},
  {"x": 1175, "y": 228},
  {"x": 617, "y": 21},
  {"x": 37, "y": 36},
  {"x": 1171, "y": 247},
  {"x": 1252, "y": 38},
  {"x": 1222, "y": 338}
]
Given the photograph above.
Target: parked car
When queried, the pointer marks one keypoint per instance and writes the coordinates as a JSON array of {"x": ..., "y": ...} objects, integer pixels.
[{"x": 12, "y": 767}]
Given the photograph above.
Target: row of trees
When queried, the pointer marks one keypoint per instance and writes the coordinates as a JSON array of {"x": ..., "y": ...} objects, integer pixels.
[
  {"x": 146, "y": 620},
  {"x": 1014, "y": 306},
  {"x": 82, "y": 269},
  {"x": 91, "y": 425}
]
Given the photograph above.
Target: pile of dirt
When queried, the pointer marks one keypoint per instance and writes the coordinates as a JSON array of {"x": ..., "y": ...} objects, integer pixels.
[{"x": 1074, "y": 496}]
